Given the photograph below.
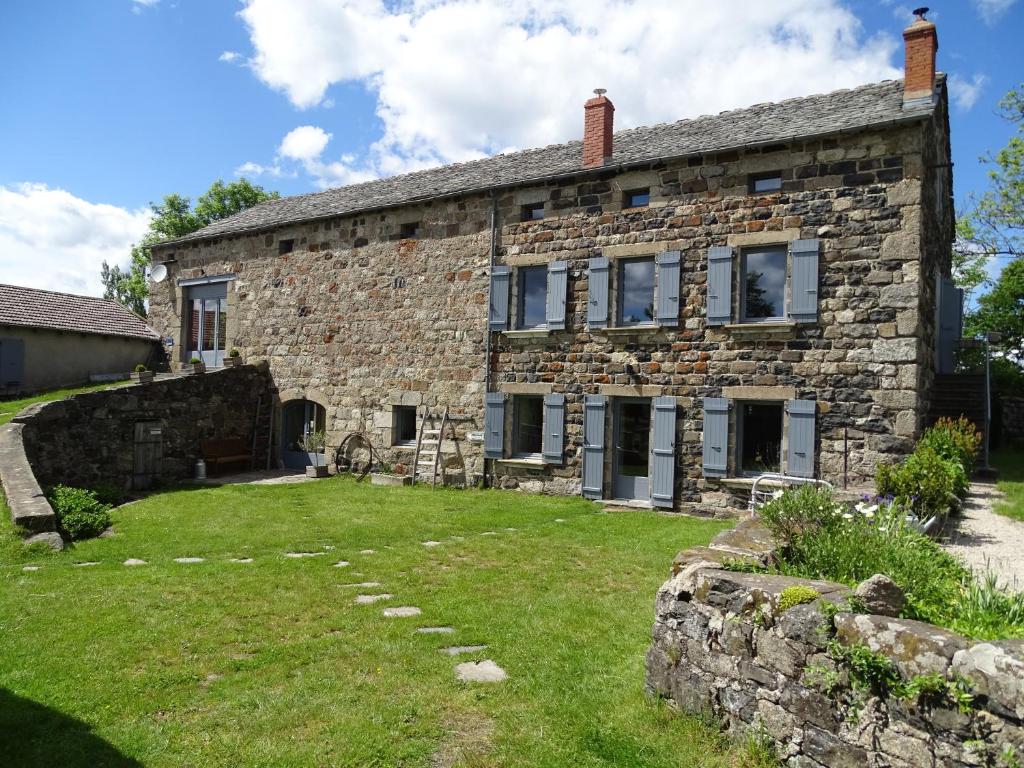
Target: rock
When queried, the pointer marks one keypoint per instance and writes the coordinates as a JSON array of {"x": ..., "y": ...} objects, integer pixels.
[
  {"x": 485, "y": 671},
  {"x": 401, "y": 612},
  {"x": 134, "y": 561},
  {"x": 371, "y": 599},
  {"x": 51, "y": 539},
  {"x": 362, "y": 584},
  {"x": 431, "y": 543},
  {"x": 367, "y": 552},
  {"x": 30, "y": 568},
  {"x": 188, "y": 559},
  {"x": 881, "y": 595},
  {"x": 85, "y": 564},
  {"x": 749, "y": 539},
  {"x": 435, "y": 630},
  {"x": 303, "y": 554},
  {"x": 915, "y": 648},
  {"x": 241, "y": 559},
  {"x": 996, "y": 671},
  {"x": 341, "y": 564}
]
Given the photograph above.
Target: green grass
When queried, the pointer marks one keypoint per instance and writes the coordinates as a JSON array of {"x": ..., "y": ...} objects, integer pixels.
[
  {"x": 271, "y": 663},
  {"x": 10, "y": 408},
  {"x": 1011, "y": 482}
]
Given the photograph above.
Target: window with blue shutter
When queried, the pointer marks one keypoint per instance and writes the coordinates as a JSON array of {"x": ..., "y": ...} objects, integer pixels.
[
  {"x": 554, "y": 428},
  {"x": 719, "y": 311},
  {"x": 803, "y": 290},
  {"x": 597, "y": 297},
  {"x": 593, "y": 446},
  {"x": 494, "y": 425},
  {"x": 558, "y": 285},
  {"x": 668, "y": 288},
  {"x": 498, "y": 315},
  {"x": 12, "y": 362},
  {"x": 800, "y": 457},
  {"x": 716, "y": 437},
  {"x": 663, "y": 452}
]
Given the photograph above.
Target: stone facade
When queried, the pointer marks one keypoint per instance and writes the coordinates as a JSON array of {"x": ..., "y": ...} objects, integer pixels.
[
  {"x": 360, "y": 319},
  {"x": 723, "y": 644}
]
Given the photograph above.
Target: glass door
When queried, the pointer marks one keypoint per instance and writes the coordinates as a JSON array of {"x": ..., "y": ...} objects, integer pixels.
[
  {"x": 632, "y": 456},
  {"x": 208, "y": 324}
]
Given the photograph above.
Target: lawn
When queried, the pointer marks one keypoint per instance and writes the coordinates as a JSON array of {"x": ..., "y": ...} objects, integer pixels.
[
  {"x": 1011, "y": 482},
  {"x": 10, "y": 408},
  {"x": 221, "y": 663}
]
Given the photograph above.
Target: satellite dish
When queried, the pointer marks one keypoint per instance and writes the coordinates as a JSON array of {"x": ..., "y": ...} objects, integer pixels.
[{"x": 159, "y": 273}]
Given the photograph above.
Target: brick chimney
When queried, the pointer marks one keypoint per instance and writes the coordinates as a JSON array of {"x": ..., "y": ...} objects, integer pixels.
[
  {"x": 599, "y": 113},
  {"x": 922, "y": 43}
]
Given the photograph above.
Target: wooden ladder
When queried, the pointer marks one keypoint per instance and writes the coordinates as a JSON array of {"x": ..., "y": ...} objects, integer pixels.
[{"x": 428, "y": 448}]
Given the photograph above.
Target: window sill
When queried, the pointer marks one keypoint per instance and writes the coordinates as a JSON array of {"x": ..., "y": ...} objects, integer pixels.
[
  {"x": 528, "y": 333},
  {"x": 746, "y": 483},
  {"x": 523, "y": 462},
  {"x": 625, "y": 329},
  {"x": 404, "y": 446},
  {"x": 780, "y": 328}
]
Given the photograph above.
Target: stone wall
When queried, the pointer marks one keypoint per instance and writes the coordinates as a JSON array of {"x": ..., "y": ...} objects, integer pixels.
[
  {"x": 723, "y": 644},
  {"x": 359, "y": 319},
  {"x": 89, "y": 439}
]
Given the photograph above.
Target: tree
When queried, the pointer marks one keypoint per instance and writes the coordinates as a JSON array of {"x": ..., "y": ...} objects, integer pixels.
[
  {"x": 1002, "y": 310},
  {"x": 174, "y": 218}
]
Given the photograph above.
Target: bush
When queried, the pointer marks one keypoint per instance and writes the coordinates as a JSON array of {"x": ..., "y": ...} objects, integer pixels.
[
  {"x": 957, "y": 441},
  {"x": 1007, "y": 376},
  {"x": 109, "y": 494},
  {"x": 79, "y": 513},
  {"x": 925, "y": 481},
  {"x": 141, "y": 368}
]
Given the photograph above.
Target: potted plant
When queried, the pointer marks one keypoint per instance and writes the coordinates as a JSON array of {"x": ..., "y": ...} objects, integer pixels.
[
  {"x": 142, "y": 374},
  {"x": 385, "y": 474},
  {"x": 196, "y": 365},
  {"x": 314, "y": 444},
  {"x": 234, "y": 358}
]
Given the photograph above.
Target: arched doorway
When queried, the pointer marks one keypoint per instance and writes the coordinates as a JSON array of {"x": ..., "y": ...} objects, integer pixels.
[{"x": 299, "y": 420}]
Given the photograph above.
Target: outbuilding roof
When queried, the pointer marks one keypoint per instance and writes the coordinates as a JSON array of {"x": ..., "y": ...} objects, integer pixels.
[
  {"x": 867, "y": 106},
  {"x": 50, "y": 310}
]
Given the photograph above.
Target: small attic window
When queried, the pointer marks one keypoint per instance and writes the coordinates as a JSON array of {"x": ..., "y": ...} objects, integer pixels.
[
  {"x": 766, "y": 182},
  {"x": 533, "y": 212},
  {"x": 409, "y": 229},
  {"x": 637, "y": 198},
  {"x": 285, "y": 246}
]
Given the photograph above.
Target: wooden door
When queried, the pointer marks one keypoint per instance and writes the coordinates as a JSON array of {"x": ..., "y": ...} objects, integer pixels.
[{"x": 149, "y": 453}]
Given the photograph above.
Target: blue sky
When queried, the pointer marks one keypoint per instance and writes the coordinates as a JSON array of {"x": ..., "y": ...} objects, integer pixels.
[{"x": 110, "y": 104}]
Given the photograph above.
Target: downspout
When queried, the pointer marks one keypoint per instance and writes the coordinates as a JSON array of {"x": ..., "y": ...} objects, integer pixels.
[{"x": 491, "y": 258}]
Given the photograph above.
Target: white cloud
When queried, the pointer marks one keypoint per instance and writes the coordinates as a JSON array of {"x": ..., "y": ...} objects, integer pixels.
[
  {"x": 229, "y": 57},
  {"x": 992, "y": 10},
  {"x": 965, "y": 92},
  {"x": 139, "y": 5},
  {"x": 459, "y": 79},
  {"x": 306, "y": 142},
  {"x": 51, "y": 239}
]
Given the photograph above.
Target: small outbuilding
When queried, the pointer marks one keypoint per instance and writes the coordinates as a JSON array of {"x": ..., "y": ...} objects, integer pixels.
[{"x": 50, "y": 339}]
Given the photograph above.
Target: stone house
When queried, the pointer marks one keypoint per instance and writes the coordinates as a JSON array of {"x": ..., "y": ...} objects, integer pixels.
[
  {"x": 50, "y": 339},
  {"x": 652, "y": 316}
]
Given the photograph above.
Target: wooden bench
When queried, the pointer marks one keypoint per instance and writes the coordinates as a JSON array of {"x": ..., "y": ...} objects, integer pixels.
[{"x": 226, "y": 450}]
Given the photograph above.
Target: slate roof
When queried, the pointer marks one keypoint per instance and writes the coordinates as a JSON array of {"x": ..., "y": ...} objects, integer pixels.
[
  {"x": 34, "y": 308},
  {"x": 867, "y": 106}
]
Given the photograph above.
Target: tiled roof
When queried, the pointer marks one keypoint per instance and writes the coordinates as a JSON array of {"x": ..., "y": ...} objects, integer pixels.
[
  {"x": 846, "y": 110},
  {"x": 34, "y": 308}
]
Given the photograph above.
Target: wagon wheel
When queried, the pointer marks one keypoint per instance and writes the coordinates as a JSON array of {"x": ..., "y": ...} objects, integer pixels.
[{"x": 356, "y": 455}]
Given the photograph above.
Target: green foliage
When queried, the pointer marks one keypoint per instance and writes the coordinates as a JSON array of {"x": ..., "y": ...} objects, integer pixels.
[
  {"x": 925, "y": 481},
  {"x": 792, "y": 513},
  {"x": 934, "y": 690},
  {"x": 141, "y": 368},
  {"x": 796, "y": 595},
  {"x": 79, "y": 513},
  {"x": 757, "y": 749},
  {"x": 742, "y": 565},
  {"x": 174, "y": 218},
  {"x": 985, "y": 611},
  {"x": 234, "y": 352},
  {"x": 314, "y": 442},
  {"x": 195, "y": 360},
  {"x": 1007, "y": 376},
  {"x": 1002, "y": 310},
  {"x": 955, "y": 440},
  {"x": 109, "y": 494},
  {"x": 870, "y": 672}
]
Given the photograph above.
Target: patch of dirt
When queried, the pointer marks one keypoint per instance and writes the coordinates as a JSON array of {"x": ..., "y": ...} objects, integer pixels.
[{"x": 468, "y": 741}]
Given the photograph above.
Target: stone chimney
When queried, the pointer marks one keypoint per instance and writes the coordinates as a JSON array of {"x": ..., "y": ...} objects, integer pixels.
[
  {"x": 922, "y": 43},
  {"x": 598, "y": 116}
]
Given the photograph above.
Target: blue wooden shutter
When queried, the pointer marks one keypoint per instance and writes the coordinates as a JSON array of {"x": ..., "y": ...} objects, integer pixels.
[
  {"x": 951, "y": 302},
  {"x": 719, "y": 285},
  {"x": 593, "y": 446},
  {"x": 494, "y": 425},
  {"x": 499, "y": 298},
  {"x": 663, "y": 458},
  {"x": 554, "y": 428},
  {"x": 12, "y": 362},
  {"x": 800, "y": 458},
  {"x": 558, "y": 285},
  {"x": 668, "y": 288},
  {"x": 716, "y": 436},
  {"x": 597, "y": 300},
  {"x": 803, "y": 300}
]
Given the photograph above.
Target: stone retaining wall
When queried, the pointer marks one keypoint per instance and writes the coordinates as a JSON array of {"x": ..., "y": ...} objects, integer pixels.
[{"x": 722, "y": 644}]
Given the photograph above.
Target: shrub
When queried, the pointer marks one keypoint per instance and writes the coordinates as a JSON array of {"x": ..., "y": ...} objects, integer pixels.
[
  {"x": 195, "y": 360},
  {"x": 957, "y": 441},
  {"x": 985, "y": 611},
  {"x": 79, "y": 513},
  {"x": 925, "y": 481},
  {"x": 796, "y": 595},
  {"x": 141, "y": 368},
  {"x": 234, "y": 352}
]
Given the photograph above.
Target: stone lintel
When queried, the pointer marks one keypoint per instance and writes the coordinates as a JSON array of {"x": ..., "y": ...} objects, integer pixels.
[
  {"x": 624, "y": 390},
  {"x": 779, "y": 237},
  {"x": 528, "y": 259},
  {"x": 759, "y": 393},
  {"x": 633, "y": 249},
  {"x": 514, "y": 388}
]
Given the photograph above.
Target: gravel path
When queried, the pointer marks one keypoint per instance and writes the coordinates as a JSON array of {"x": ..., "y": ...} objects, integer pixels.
[{"x": 985, "y": 540}]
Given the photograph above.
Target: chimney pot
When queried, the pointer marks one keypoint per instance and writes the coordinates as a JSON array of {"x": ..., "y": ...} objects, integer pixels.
[
  {"x": 598, "y": 120},
  {"x": 922, "y": 43}
]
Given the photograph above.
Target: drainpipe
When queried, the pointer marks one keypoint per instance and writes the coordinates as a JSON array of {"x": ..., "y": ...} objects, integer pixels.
[{"x": 491, "y": 258}]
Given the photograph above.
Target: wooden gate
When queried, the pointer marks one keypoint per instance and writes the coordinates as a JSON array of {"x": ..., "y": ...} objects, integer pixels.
[{"x": 149, "y": 453}]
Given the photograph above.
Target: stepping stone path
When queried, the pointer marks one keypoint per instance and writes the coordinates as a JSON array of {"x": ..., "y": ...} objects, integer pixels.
[
  {"x": 341, "y": 564},
  {"x": 435, "y": 630},
  {"x": 188, "y": 559},
  {"x": 362, "y": 585},
  {"x": 479, "y": 672},
  {"x": 559, "y": 520},
  {"x": 241, "y": 559},
  {"x": 134, "y": 561},
  {"x": 367, "y": 551},
  {"x": 455, "y": 650},
  {"x": 85, "y": 565},
  {"x": 511, "y": 529},
  {"x": 401, "y": 612},
  {"x": 30, "y": 568},
  {"x": 371, "y": 599},
  {"x": 431, "y": 543},
  {"x": 304, "y": 554}
]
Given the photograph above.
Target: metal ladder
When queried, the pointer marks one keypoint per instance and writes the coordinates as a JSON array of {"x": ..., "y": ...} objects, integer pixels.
[{"x": 428, "y": 448}]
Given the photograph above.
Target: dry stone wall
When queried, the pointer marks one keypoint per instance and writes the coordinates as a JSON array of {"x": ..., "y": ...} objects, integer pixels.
[{"x": 725, "y": 643}]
